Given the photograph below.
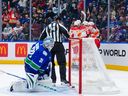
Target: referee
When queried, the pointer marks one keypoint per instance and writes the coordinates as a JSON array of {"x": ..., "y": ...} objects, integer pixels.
[{"x": 56, "y": 30}]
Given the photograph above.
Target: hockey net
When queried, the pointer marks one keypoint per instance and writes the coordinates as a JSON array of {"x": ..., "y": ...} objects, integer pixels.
[{"x": 86, "y": 68}]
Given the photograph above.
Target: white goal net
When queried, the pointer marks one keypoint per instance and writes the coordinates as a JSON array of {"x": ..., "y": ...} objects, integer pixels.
[{"x": 86, "y": 68}]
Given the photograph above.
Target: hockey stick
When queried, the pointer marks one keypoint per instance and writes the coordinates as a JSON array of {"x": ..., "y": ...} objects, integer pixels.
[
  {"x": 47, "y": 87},
  {"x": 84, "y": 15},
  {"x": 12, "y": 75}
]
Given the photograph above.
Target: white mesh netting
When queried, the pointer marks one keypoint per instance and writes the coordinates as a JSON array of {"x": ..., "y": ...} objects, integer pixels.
[{"x": 94, "y": 76}]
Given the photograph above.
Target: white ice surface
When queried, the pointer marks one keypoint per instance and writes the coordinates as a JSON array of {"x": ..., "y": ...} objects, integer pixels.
[{"x": 119, "y": 77}]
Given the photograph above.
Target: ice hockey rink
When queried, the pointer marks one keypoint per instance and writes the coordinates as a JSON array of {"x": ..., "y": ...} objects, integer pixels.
[{"x": 119, "y": 77}]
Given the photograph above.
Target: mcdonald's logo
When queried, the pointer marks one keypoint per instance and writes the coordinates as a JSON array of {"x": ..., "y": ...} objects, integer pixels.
[
  {"x": 21, "y": 50},
  {"x": 3, "y": 50}
]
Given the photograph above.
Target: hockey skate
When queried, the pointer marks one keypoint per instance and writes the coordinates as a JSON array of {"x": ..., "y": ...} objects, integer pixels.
[
  {"x": 65, "y": 83},
  {"x": 11, "y": 88}
]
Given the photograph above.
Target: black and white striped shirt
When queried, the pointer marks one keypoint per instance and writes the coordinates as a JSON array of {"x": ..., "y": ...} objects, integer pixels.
[{"x": 56, "y": 31}]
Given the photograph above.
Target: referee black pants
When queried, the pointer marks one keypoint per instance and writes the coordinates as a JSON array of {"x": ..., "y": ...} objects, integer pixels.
[{"x": 59, "y": 51}]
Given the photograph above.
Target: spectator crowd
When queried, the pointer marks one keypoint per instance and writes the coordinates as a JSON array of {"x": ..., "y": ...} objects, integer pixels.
[{"x": 16, "y": 17}]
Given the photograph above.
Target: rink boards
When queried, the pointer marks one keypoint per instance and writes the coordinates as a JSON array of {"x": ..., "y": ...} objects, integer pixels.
[{"x": 115, "y": 55}]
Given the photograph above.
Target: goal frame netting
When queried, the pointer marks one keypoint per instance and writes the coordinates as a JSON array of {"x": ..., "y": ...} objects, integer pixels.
[{"x": 79, "y": 58}]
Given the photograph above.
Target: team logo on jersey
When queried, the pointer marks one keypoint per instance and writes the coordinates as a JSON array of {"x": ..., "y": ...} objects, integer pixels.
[
  {"x": 45, "y": 53},
  {"x": 21, "y": 50},
  {"x": 3, "y": 50}
]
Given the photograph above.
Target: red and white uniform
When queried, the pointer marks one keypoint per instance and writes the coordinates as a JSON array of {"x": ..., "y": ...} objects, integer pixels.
[
  {"x": 94, "y": 32},
  {"x": 74, "y": 30},
  {"x": 87, "y": 30}
]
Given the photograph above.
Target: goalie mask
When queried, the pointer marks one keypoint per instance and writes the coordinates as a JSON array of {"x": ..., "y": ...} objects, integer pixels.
[{"x": 48, "y": 43}]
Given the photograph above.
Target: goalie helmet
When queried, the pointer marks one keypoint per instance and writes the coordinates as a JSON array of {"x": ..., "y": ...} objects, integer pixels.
[{"x": 48, "y": 43}]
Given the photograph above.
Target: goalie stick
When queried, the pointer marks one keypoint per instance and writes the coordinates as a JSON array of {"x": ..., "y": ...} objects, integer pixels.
[
  {"x": 41, "y": 85},
  {"x": 12, "y": 75}
]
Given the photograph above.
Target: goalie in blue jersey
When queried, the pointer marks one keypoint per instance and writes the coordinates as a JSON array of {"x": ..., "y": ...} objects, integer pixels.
[{"x": 37, "y": 65}]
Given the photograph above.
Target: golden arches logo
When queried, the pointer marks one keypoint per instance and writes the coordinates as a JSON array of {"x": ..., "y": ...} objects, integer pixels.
[
  {"x": 3, "y": 50},
  {"x": 21, "y": 50}
]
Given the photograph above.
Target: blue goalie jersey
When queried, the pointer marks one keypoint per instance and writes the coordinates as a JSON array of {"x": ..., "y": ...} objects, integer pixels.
[{"x": 38, "y": 59}]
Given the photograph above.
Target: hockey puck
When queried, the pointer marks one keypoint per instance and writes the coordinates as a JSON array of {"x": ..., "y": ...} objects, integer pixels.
[{"x": 72, "y": 86}]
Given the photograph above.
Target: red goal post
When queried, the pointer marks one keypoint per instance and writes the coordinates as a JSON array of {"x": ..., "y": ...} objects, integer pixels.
[{"x": 79, "y": 51}]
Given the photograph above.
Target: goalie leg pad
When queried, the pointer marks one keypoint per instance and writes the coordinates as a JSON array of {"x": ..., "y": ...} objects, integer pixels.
[
  {"x": 31, "y": 80},
  {"x": 19, "y": 86},
  {"x": 25, "y": 85}
]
